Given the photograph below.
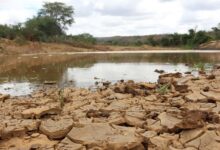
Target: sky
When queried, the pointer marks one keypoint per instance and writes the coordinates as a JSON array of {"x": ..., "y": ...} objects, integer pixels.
[{"x": 103, "y": 18}]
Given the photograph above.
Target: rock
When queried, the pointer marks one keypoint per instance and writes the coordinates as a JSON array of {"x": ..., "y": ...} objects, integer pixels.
[
  {"x": 181, "y": 88},
  {"x": 97, "y": 113},
  {"x": 4, "y": 97},
  {"x": 150, "y": 98},
  {"x": 169, "y": 78},
  {"x": 189, "y": 135},
  {"x": 13, "y": 131},
  {"x": 168, "y": 120},
  {"x": 56, "y": 129},
  {"x": 34, "y": 135},
  {"x": 159, "y": 71},
  {"x": 67, "y": 144},
  {"x": 195, "y": 96},
  {"x": 154, "y": 126},
  {"x": 105, "y": 136},
  {"x": 135, "y": 116},
  {"x": 177, "y": 102},
  {"x": 206, "y": 141},
  {"x": 134, "y": 121},
  {"x": 212, "y": 95},
  {"x": 40, "y": 142},
  {"x": 117, "y": 106},
  {"x": 35, "y": 146},
  {"x": 216, "y": 66},
  {"x": 149, "y": 86},
  {"x": 149, "y": 134},
  {"x": 130, "y": 87},
  {"x": 119, "y": 96},
  {"x": 210, "y": 77},
  {"x": 40, "y": 111},
  {"x": 30, "y": 125},
  {"x": 160, "y": 142},
  {"x": 196, "y": 119}
]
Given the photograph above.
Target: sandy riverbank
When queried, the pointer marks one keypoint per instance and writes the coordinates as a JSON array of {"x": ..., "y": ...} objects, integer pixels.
[
  {"x": 11, "y": 48},
  {"x": 178, "y": 112}
]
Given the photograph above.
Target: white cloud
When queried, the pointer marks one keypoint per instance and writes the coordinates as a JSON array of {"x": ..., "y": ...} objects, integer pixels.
[{"x": 124, "y": 17}]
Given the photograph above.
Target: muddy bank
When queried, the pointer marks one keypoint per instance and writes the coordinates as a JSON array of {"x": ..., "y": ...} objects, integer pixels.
[{"x": 179, "y": 112}]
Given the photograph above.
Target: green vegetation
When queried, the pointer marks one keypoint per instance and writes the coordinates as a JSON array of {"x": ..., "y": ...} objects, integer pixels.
[
  {"x": 62, "y": 14},
  {"x": 53, "y": 19},
  {"x": 61, "y": 97},
  {"x": 48, "y": 26},
  {"x": 163, "y": 89},
  {"x": 190, "y": 40},
  {"x": 203, "y": 67}
]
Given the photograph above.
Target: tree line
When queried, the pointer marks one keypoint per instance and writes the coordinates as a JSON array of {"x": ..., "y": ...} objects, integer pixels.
[
  {"x": 192, "y": 39},
  {"x": 49, "y": 25},
  {"x": 53, "y": 19}
]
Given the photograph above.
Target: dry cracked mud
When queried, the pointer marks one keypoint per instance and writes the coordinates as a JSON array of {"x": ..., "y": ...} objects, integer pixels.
[{"x": 179, "y": 112}]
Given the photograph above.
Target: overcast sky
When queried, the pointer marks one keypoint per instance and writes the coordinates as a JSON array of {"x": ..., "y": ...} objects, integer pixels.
[{"x": 124, "y": 17}]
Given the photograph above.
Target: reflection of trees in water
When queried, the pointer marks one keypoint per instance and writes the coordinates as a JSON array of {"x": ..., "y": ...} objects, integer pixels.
[
  {"x": 189, "y": 58},
  {"x": 54, "y": 67}
]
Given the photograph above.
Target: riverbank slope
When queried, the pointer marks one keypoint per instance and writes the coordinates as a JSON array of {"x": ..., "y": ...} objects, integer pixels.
[{"x": 12, "y": 47}]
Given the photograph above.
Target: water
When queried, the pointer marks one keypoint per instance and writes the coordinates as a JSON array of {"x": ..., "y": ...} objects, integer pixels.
[{"x": 20, "y": 75}]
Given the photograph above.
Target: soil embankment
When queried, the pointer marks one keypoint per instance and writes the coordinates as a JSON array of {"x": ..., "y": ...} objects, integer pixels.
[
  {"x": 177, "y": 112},
  {"x": 213, "y": 45},
  {"x": 11, "y": 47}
]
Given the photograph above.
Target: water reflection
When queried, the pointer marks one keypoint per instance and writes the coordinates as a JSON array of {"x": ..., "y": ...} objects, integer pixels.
[
  {"x": 16, "y": 89},
  {"x": 84, "y": 77},
  {"x": 22, "y": 73}
]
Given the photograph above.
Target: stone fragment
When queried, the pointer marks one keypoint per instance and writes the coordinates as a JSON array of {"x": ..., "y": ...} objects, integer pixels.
[
  {"x": 119, "y": 96},
  {"x": 56, "y": 129},
  {"x": 160, "y": 142},
  {"x": 41, "y": 142},
  {"x": 148, "y": 85},
  {"x": 4, "y": 97},
  {"x": 189, "y": 135},
  {"x": 195, "y": 96},
  {"x": 181, "y": 88},
  {"x": 34, "y": 135},
  {"x": 150, "y": 98},
  {"x": 206, "y": 141},
  {"x": 30, "y": 125},
  {"x": 196, "y": 119},
  {"x": 168, "y": 120},
  {"x": 105, "y": 136},
  {"x": 40, "y": 111},
  {"x": 212, "y": 95},
  {"x": 97, "y": 113},
  {"x": 149, "y": 134},
  {"x": 67, "y": 144}
]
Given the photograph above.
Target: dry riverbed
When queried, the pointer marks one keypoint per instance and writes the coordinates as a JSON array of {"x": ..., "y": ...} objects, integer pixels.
[{"x": 180, "y": 112}]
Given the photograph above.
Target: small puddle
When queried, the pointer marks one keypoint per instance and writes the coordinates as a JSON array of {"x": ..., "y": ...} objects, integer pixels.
[{"x": 21, "y": 75}]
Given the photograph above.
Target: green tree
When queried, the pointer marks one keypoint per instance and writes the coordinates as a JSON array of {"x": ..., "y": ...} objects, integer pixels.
[
  {"x": 216, "y": 31},
  {"x": 60, "y": 12},
  {"x": 85, "y": 38},
  {"x": 41, "y": 28},
  {"x": 165, "y": 41}
]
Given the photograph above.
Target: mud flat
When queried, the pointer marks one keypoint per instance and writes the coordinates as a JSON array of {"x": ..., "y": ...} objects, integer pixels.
[{"x": 179, "y": 112}]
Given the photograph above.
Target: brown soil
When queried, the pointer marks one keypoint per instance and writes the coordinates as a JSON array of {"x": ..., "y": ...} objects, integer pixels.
[
  {"x": 121, "y": 116},
  {"x": 11, "y": 47},
  {"x": 213, "y": 45}
]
